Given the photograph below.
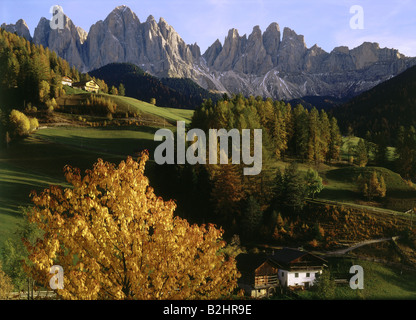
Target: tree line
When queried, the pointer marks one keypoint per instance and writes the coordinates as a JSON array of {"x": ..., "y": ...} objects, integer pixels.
[
  {"x": 239, "y": 203},
  {"x": 311, "y": 136}
]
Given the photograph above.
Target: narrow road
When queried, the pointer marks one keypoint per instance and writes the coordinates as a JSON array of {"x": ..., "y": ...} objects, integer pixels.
[{"x": 359, "y": 244}]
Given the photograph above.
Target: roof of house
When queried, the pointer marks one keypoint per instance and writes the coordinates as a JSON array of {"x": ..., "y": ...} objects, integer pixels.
[
  {"x": 288, "y": 257},
  {"x": 248, "y": 262},
  {"x": 66, "y": 78},
  {"x": 83, "y": 83}
]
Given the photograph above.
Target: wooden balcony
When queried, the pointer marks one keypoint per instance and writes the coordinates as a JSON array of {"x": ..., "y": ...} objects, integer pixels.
[{"x": 266, "y": 281}]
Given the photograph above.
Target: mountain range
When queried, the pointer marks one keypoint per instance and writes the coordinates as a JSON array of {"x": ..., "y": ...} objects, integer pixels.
[{"x": 269, "y": 64}]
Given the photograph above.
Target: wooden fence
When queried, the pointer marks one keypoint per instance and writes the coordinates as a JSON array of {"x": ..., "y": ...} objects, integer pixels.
[{"x": 35, "y": 295}]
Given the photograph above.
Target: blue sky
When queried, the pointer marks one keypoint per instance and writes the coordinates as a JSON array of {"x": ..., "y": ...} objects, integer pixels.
[{"x": 326, "y": 23}]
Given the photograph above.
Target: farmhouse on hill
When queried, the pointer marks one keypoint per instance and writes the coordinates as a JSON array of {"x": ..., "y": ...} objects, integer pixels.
[
  {"x": 297, "y": 267},
  {"x": 262, "y": 274},
  {"x": 89, "y": 85},
  {"x": 67, "y": 81}
]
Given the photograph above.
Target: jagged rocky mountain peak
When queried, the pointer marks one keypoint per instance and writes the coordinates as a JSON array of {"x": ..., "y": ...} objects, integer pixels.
[
  {"x": 290, "y": 36},
  {"x": 20, "y": 28},
  {"x": 151, "y": 19},
  {"x": 271, "y": 63},
  {"x": 341, "y": 49},
  {"x": 122, "y": 12}
]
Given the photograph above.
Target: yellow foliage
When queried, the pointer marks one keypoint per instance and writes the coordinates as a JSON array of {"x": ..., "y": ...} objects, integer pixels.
[
  {"x": 22, "y": 124},
  {"x": 6, "y": 285},
  {"x": 116, "y": 239},
  {"x": 34, "y": 124}
]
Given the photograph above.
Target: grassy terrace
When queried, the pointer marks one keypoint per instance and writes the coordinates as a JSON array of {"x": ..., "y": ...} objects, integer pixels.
[
  {"x": 127, "y": 104},
  {"x": 134, "y": 105}
]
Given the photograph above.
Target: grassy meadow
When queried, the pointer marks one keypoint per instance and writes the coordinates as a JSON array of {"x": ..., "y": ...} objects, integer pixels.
[{"x": 381, "y": 281}]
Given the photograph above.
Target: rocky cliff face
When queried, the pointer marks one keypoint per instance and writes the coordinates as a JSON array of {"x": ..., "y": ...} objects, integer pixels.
[
  {"x": 20, "y": 28},
  {"x": 154, "y": 46},
  {"x": 66, "y": 42},
  {"x": 267, "y": 64}
]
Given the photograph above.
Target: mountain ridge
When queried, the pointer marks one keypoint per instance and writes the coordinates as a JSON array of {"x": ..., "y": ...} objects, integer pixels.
[
  {"x": 269, "y": 64},
  {"x": 382, "y": 109}
]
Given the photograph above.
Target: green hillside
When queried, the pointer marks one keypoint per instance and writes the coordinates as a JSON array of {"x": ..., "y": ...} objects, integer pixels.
[
  {"x": 141, "y": 107},
  {"x": 168, "y": 92},
  {"x": 383, "y": 109}
]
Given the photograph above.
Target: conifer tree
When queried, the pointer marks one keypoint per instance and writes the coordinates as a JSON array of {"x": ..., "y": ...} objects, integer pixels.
[
  {"x": 335, "y": 142},
  {"x": 300, "y": 132},
  {"x": 374, "y": 187},
  {"x": 289, "y": 189},
  {"x": 252, "y": 217},
  {"x": 406, "y": 152},
  {"x": 315, "y": 145},
  {"x": 361, "y": 154},
  {"x": 227, "y": 193},
  {"x": 325, "y": 134},
  {"x": 121, "y": 90},
  {"x": 294, "y": 187},
  {"x": 279, "y": 134},
  {"x": 313, "y": 183}
]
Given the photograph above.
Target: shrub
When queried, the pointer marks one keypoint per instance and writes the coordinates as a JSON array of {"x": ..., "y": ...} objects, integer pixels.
[
  {"x": 20, "y": 123},
  {"x": 101, "y": 106},
  {"x": 51, "y": 105},
  {"x": 34, "y": 124},
  {"x": 325, "y": 286}
]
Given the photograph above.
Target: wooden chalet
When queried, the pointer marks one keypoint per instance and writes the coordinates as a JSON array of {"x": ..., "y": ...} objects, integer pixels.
[
  {"x": 67, "y": 81},
  {"x": 259, "y": 275},
  {"x": 297, "y": 268},
  {"x": 90, "y": 86}
]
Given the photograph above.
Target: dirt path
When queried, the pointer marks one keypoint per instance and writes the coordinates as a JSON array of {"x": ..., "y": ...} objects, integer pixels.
[{"x": 359, "y": 244}]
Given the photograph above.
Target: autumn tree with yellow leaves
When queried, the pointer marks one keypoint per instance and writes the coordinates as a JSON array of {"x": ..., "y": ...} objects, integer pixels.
[
  {"x": 115, "y": 239},
  {"x": 6, "y": 285}
]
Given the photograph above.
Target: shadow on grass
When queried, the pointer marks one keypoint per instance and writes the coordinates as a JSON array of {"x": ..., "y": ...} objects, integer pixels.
[{"x": 120, "y": 141}]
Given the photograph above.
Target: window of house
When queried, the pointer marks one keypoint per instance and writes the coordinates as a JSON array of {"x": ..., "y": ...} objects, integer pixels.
[
  {"x": 308, "y": 274},
  {"x": 296, "y": 275}
]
